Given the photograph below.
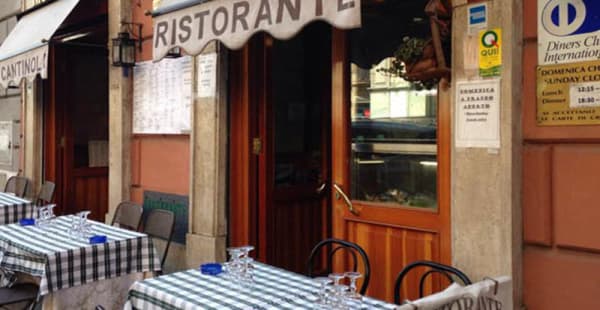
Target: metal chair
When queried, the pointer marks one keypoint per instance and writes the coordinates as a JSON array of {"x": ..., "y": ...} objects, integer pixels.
[
  {"x": 18, "y": 293},
  {"x": 434, "y": 267},
  {"x": 160, "y": 224},
  {"x": 46, "y": 194},
  {"x": 17, "y": 185},
  {"x": 128, "y": 215},
  {"x": 334, "y": 246}
]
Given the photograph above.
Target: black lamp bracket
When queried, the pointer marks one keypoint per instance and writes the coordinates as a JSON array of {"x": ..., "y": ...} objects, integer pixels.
[{"x": 130, "y": 27}]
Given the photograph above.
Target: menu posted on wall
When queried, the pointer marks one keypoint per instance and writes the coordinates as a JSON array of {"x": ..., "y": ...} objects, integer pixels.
[
  {"x": 162, "y": 96},
  {"x": 568, "y": 94},
  {"x": 478, "y": 114}
]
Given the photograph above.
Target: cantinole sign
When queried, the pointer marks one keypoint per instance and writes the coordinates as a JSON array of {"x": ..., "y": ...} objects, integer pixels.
[
  {"x": 24, "y": 66},
  {"x": 233, "y": 22}
]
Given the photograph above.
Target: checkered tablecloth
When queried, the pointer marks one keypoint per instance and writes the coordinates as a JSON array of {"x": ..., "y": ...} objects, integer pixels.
[
  {"x": 273, "y": 288},
  {"x": 13, "y": 208},
  {"x": 62, "y": 261}
]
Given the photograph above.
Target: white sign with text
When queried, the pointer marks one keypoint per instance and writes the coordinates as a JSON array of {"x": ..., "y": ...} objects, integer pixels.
[{"x": 478, "y": 114}]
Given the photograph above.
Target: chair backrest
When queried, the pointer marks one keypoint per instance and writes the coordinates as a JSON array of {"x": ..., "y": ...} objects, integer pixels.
[
  {"x": 334, "y": 246},
  {"x": 128, "y": 215},
  {"x": 160, "y": 224},
  {"x": 46, "y": 193},
  {"x": 17, "y": 185},
  {"x": 449, "y": 272}
]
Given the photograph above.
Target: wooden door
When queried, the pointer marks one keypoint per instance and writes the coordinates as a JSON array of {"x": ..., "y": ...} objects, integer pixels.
[
  {"x": 280, "y": 146},
  {"x": 77, "y": 114},
  {"x": 390, "y": 158}
]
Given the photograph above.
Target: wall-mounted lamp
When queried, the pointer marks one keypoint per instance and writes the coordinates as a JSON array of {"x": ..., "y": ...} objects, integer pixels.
[
  {"x": 174, "y": 53},
  {"x": 123, "y": 47}
]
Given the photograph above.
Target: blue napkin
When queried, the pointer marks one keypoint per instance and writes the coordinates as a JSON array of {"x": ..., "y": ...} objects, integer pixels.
[
  {"x": 97, "y": 239},
  {"x": 27, "y": 222},
  {"x": 211, "y": 269}
]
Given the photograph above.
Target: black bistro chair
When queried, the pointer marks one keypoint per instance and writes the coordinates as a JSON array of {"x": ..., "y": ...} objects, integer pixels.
[
  {"x": 448, "y": 272},
  {"x": 334, "y": 246},
  {"x": 19, "y": 293},
  {"x": 46, "y": 194},
  {"x": 17, "y": 185},
  {"x": 128, "y": 215},
  {"x": 159, "y": 225}
]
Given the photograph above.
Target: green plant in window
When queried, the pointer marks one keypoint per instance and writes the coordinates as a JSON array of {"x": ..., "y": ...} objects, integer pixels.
[{"x": 414, "y": 57}]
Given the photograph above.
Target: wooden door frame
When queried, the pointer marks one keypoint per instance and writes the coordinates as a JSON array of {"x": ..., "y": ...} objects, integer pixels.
[
  {"x": 251, "y": 181},
  {"x": 341, "y": 122}
]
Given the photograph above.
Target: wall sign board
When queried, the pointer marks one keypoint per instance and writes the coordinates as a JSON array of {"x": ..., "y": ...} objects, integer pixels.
[
  {"x": 162, "y": 96},
  {"x": 568, "y": 94},
  {"x": 175, "y": 203},
  {"x": 568, "y": 31},
  {"x": 478, "y": 114},
  {"x": 5, "y": 143}
]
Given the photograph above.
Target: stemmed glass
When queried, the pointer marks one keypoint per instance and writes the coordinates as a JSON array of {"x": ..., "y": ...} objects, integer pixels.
[
  {"x": 239, "y": 267},
  {"x": 353, "y": 276},
  {"x": 45, "y": 216},
  {"x": 336, "y": 278},
  {"x": 322, "y": 294},
  {"x": 80, "y": 227}
]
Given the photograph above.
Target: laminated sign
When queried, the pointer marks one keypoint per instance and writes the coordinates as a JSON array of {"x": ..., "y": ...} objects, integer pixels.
[
  {"x": 568, "y": 31},
  {"x": 490, "y": 52}
]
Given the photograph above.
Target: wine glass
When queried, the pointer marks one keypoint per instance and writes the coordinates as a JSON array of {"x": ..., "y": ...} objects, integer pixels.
[
  {"x": 322, "y": 293},
  {"x": 353, "y": 276},
  {"x": 336, "y": 277}
]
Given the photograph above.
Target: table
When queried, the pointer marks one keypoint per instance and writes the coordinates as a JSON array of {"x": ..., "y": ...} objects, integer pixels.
[
  {"x": 13, "y": 208},
  {"x": 61, "y": 262},
  {"x": 274, "y": 288}
]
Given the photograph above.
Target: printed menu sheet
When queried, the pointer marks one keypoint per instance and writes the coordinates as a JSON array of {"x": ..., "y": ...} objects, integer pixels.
[{"x": 162, "y": 96}]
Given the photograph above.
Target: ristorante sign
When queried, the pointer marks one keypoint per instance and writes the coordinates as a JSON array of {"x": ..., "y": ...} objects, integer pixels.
[
  {"x": 233, "y": 22},
  {"x": 24, "y": 66}
]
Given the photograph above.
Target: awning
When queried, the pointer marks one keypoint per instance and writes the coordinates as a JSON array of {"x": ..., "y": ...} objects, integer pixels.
[
  {"x": 191, "y": 24},
  {"x": 24, "y": 53}
]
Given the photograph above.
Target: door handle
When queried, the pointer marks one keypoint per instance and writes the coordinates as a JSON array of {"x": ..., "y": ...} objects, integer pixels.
[
  {"x": 321, "y": 188},
  {"x": 340, "y": 194}
]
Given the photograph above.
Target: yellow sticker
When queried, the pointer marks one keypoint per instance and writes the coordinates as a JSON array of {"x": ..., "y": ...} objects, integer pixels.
[{"x": 490, "y": 52}]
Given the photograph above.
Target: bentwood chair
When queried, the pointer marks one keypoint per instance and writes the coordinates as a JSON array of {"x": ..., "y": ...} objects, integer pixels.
[
  {"x": 19, "y": 293},
  {"x": 336, "y": 246},
  {"x": 448, "y": 272},
  {"x": 160, "y": 225},
  {"x": 17, "y": 185},
  {"x": 128, "y": 216},
  {"x": 46, "y": 194}
]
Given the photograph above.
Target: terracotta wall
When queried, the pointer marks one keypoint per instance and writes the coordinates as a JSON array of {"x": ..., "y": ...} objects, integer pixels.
[
  {"x": 561, "y": 188},
  {"x": 159, "y": 162}
]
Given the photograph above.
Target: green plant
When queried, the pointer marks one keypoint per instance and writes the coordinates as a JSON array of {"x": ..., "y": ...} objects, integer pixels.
[{"x": 411, "y": 51}]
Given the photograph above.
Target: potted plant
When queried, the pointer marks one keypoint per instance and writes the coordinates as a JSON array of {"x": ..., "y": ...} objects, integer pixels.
[
  {"x": 422, "y": 61},
  {"x": 413, "y": 60}
]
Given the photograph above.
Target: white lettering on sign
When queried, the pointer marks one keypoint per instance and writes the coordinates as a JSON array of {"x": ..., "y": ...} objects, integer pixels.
[
  {"x": 233, "y": 22},
  {"x": 568, "y": 31}
]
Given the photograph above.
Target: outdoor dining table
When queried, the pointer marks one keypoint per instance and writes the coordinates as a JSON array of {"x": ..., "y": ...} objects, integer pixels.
[
  {"x": 13, "y": 208},
  {"x": 71, "y": 272},
  {"x": 273, "y": 288}
]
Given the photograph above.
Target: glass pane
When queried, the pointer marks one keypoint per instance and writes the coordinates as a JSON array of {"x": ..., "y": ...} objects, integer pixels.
[
  {"x": 394, "y": 125},
  {"x": 298, "y": 101}
]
